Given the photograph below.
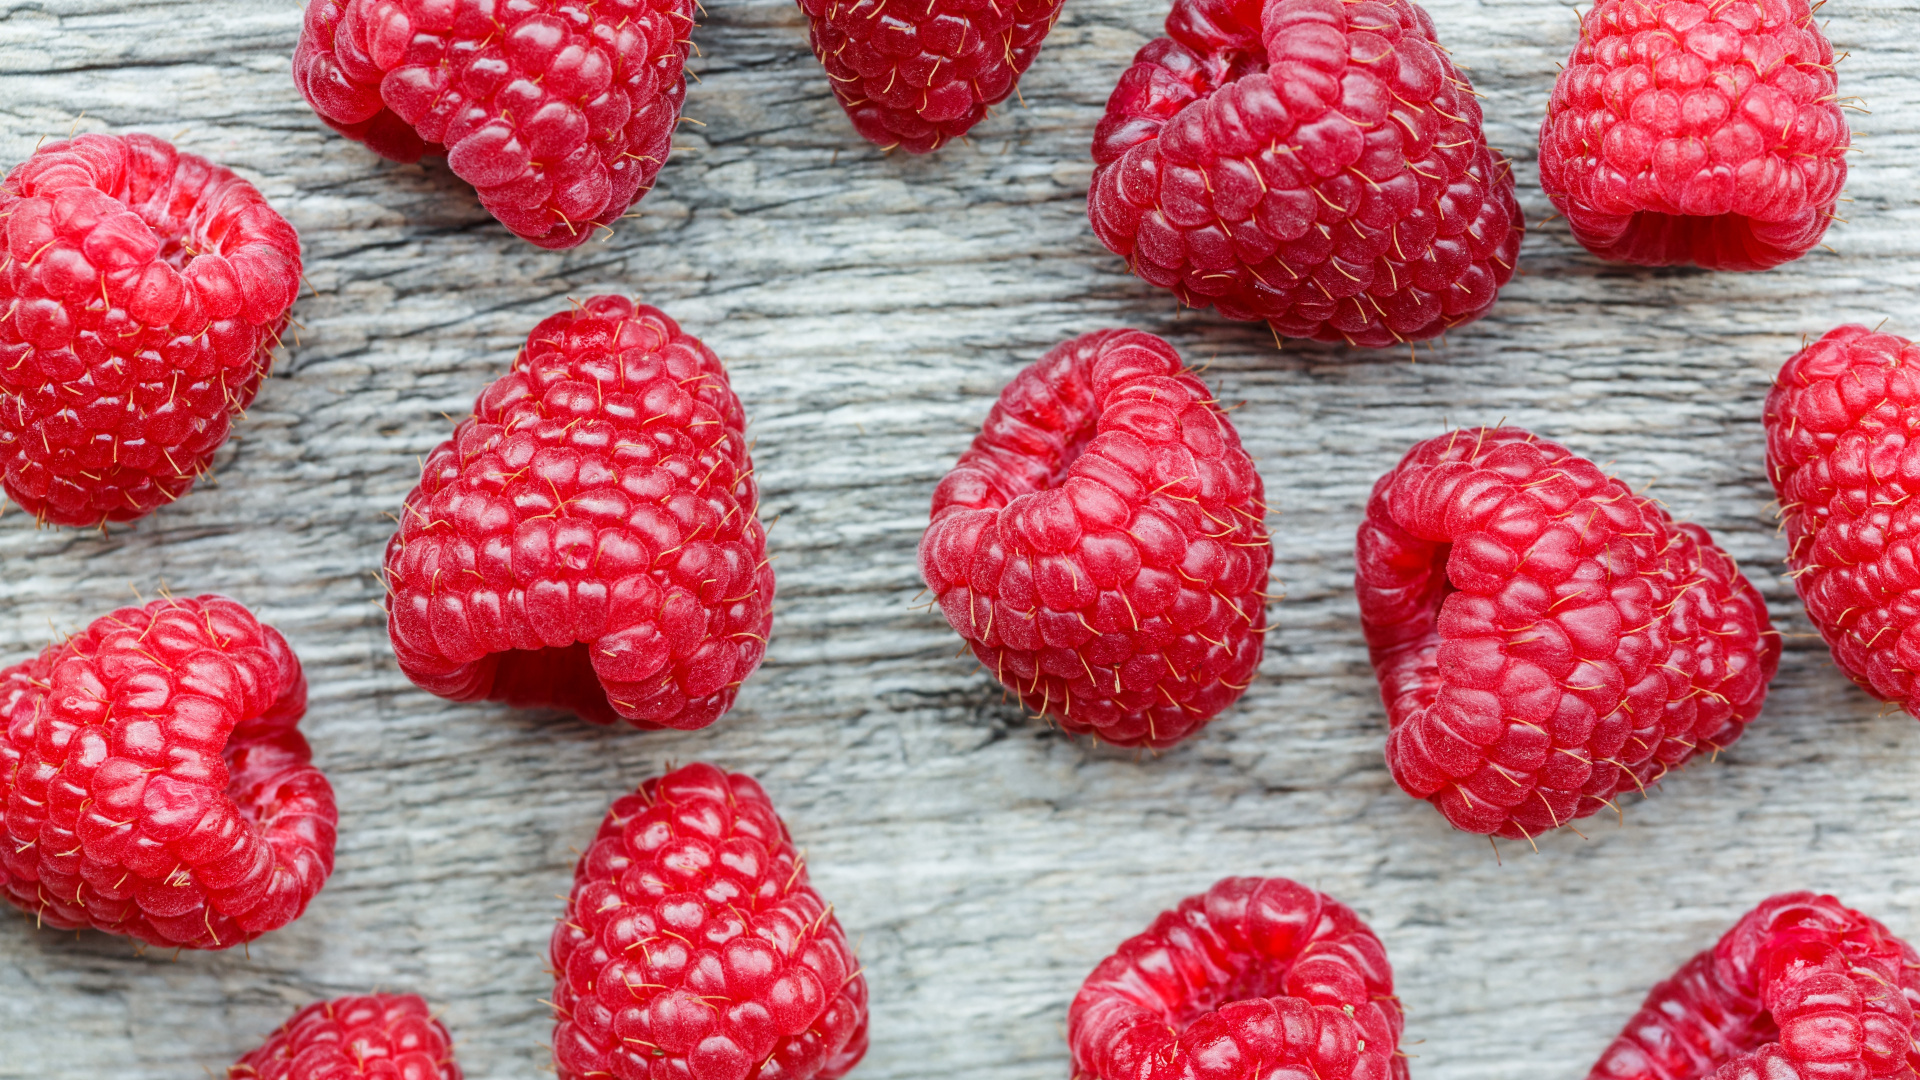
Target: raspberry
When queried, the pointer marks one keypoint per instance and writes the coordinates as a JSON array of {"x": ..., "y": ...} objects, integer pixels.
[
  {"x": 587, "y": 538},
  {"x": 916, "y": 78},
  {"x": 1544, "y": 638},
  {"x": 1684, "y": 132},
  {"x": 559, "y": 113},
  {"x": 1842, "y": 457},
  {"x": 1254, "y": 979},
  {"x": 155, "y": 782},
  {"x": 693, "y": 945},
  {"x": 141, "y": 293},
  {"x": 1313, "y": 163},
  {"x": 1801, "y": 988},
  {"x": 378, "y": 1037},
  {"x": 1102, "y": 545}
]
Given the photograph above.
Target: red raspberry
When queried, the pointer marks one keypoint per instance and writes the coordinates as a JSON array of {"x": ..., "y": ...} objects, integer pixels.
[
  {"x": 1685, "y": 132},
  {"x": 1103, "y": 547},
  {"x": 1546, "y": 639},
  {"x": 141, "y": 293},
  {"x": 1841, "y": 453},
  {"x": 587, "y": 538},
  {"x": 155, "y": 782},
  {"x": 1313, "y": 163},
  {"x": 377, "y": 1037},
  {"x": 1802, "y": 988},
  {"x": 693, "y": 945},
  {"x": 915, "y": 78},
  {"x": 1255, "y": 979},
  {"x": 558, "y": 112}
]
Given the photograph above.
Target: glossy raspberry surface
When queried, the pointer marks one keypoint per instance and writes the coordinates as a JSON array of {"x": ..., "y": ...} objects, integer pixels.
[
  {"x": 587, "y": 539},
  {"x": 141, "y": 293},
  {"x": 694, "y": 946},
  {"x": 1843, "y": 452},
  {"x": 1316, "y": 164},
  {"x": 558, "y": 112},
  {"x": 1683, "y": 132},
  {"x": 1802, "y": 988},
  {"x": 155, "y": 782},
  {"x": 1102, "y": 546},
  {"x": 1544, "y": 638},
  {"x": 1254, "y": 979},
  {"x": 915, "y": 76},
  {"x": 375, "y": 1037}
]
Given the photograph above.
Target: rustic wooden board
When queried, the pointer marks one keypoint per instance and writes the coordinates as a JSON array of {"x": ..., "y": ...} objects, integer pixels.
[{"x": 870, "y": 307}]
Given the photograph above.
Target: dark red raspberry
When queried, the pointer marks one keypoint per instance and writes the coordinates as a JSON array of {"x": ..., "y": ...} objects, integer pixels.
[
  {"x": 694, "y": 947},
  {"x": 1684, "y": 132},
  {"x": 1255, "y": 979},
  {"x": 1102, "y": 546},
  {"x": 558, "y": 112},
  {"x": 587, "y": 538},
  {"x": 155, "y": 780},
  {"x": 1843, "y": 455},
  {"x": 1313, "y": 163},
  {"x": 141, "y": 293},
  {"x": 1546, "y": 639},
  {"x": 377, "y": 1037},
  {"x": 916, "y": 77},
  {"x": 1802, "y": 988}
]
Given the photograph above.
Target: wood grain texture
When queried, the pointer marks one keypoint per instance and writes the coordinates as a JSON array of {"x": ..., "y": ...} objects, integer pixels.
[{"x": 870, "y": 307}]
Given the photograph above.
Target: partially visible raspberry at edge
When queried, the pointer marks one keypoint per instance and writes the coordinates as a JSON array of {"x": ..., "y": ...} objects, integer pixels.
[
  {"x": 375, "y": 1037},
  {"x": 1313, "y": 163},
  {"x": 693, "y": 945},
  {"x": 1102, "y": 546},
  {"x": 559, "y": 113},
  {"x": 142, "y": 291},
  {"x": 1802, "y": 988},
  {"x": 1254, "y": 979},
  {"x": 154, "y": 781},
  {"x": 588, "y": 539},
  {"x": 1545, "y": 639},
  {"x": 916, "y": 77},
  {"x": 1681, "y": 132}
]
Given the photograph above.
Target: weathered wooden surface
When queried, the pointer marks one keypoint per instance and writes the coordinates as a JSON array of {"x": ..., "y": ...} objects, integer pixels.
[{"x": 869, "y": 308}]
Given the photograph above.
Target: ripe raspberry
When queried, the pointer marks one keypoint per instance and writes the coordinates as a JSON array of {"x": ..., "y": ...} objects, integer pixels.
[
  {"x": 377, "y": 1037},
  {"x": 1705, "y": 133},
  {"x": 1802, "y": 988},
  {"x": 1545, "y": 638},
  {"x": 1313, "y": 163},
  {"x": 1843, "y": 458},
  {"x": 1102, "y": 546},
  {"x": 558, "y": 112},
  {"x": 693, "y": 945},
  {"x": 916, "y": 78},
  {"x": 587, "y": 538},
  {"x": 1255, "y": 979},
  {"x": 141, "y": 293},
  {"x": 155, "y": 780}
]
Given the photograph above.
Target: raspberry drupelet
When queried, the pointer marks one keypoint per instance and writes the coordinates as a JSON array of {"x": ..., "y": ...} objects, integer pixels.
[
  {"x": 375, "y": 1037},
  {"x": 1684, "y": 132},
  {"x": 1802, "y": 988},
  {"x": 916, "y": 77},
  {"x": 560, "y": 113},
  {"x": 1102, "y": 546},
  {"x": 155, "y": 782},
  {"x": 1254, "y": 979},
  {"x": 588, "y": 539},
  {"x": 694, "y": 946},
  {"x": 1544, "y": 638},
  {"x": 1843, "y": 452},
  {"x": 1315, "y": 164},
  {"x": 142, "y": 291}
]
